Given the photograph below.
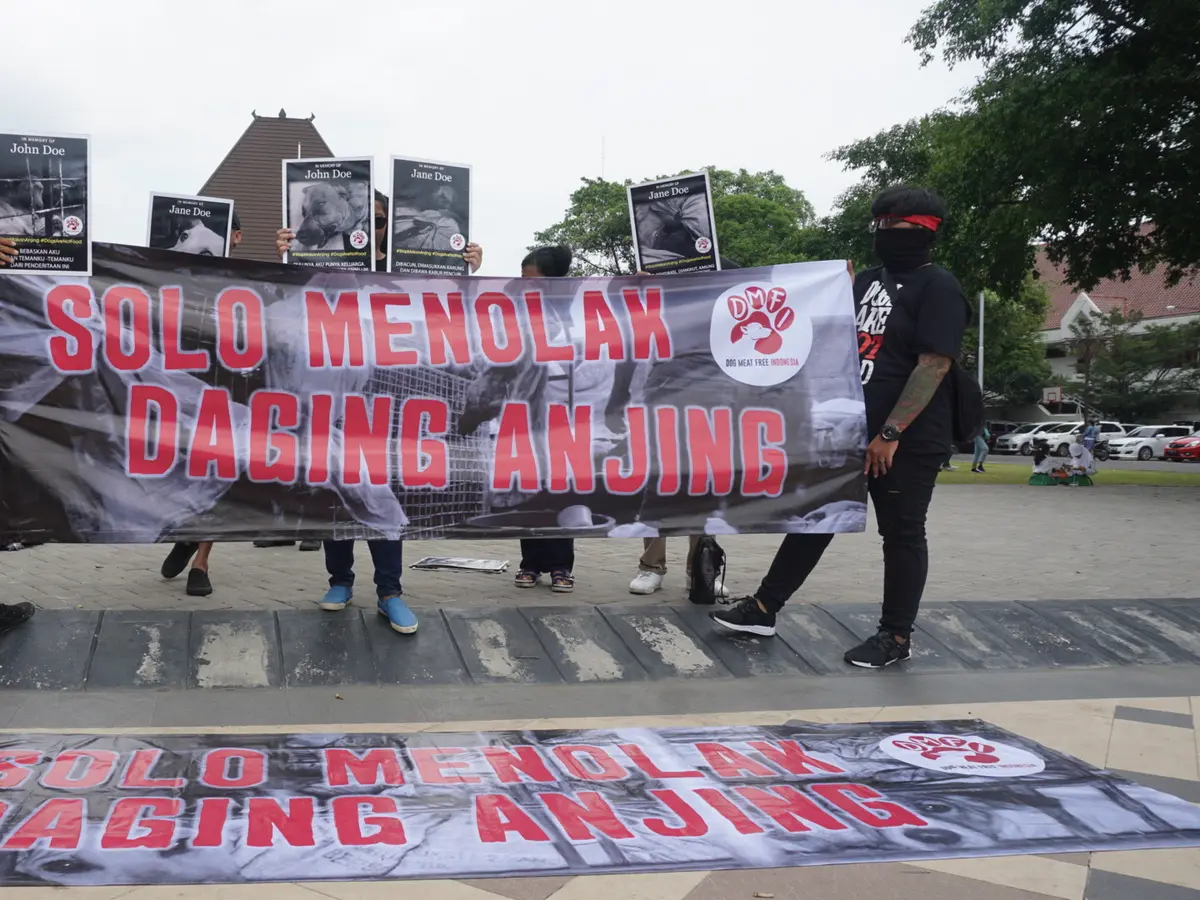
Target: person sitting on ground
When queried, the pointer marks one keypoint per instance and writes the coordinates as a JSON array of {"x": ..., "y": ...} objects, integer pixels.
[{"x": 1082, "y": 463}]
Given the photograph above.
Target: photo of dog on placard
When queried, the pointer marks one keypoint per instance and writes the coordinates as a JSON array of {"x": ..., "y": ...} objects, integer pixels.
[
  {"x": 329, "y": 207},
  {"x": 197, "y": 225}
]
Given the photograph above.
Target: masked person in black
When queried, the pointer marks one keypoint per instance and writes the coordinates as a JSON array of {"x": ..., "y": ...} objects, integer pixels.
[{"x": 911, "y": 315}]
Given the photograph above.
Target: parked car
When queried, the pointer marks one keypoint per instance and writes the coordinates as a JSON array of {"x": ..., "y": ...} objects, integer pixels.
[
  {"x": 1147, "y": 442},
  {"x": 1060, "y": 443},
  {"x": 1017, "y": 440},
  {"x": 1183, "y": 448},
  {"x": 996, "y": 430}
]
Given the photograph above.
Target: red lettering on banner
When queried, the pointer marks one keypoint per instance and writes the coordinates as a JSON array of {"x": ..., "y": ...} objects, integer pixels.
[
  {"x": 577, "y": 817},
  {"x": 267, "y": 820},
  {"x": 728, "y": 763},
  {"x": 793, "y": 758},
  {"x": 210, "y": 822},
  {"x": 424, "y": 460},
  {"x": 514, "y": 345},
  {"x": 116, "y": 298},
  {"x": 351, "y": 826},
  {"x": 430, "y": 765},
  {"x": 137, "y": 775},
  {"x": 729, "y": 811},
  {"x": 251, "y": 766},
  {"x": 514, "y": 458},
  {"x": 367, "y": 438},
  {"x": 496, "y": 815},
  {"x": 67, "y": 774},
  {"x": 646, "y": 322},
  {"x": 602, "y": 766},
  {"x": 600, "y": 328},
  {"x": 371, "y": 767},
  {"x": 710, "y": 450},
  {"x": 176, "y": 359},
  {"x": 274, "y": 449},
  {"x": 667, "y": 430},
  {"x": 510, "y": 763},
  {"x": 16, "y": 767},
  {"x": 543, "y": 350},
  {"x": 154, "y": 817},
  {"x": 642, "y": 760},
  {"x": 212, "y": 438},
  {"x": 791, "y": 809},
  {"x": 867, "y": 805},
  {"x": 74, "y": 349},
  {"x": 446, "y": 326},
  {"x": 385, "y": 354},
  {"x": 693, "y": 823},
  {"x": 615, "y": 481},
  {"x": 138, "y": 437},
  {"x": 570, "y": 449},
  {"x": 320, "y": 428},
  {"x": 253, "y": 348},
  {"x": 58, "y": 822},
  {"x": 334, "y": 332},
  {"x": 763, "y": 430}
]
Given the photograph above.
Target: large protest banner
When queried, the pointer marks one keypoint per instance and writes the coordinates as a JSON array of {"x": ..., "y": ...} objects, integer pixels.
[
  {"x": 132, "y": 809},
  {"x": 169, "y": 397}
]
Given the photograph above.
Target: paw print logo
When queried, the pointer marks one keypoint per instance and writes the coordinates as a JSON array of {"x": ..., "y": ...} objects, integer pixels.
[
  {"x": 761, "y": 316},
  {"x": 934, "y": 748},
  {"x": 703, "y": 245},
  {"x": 457, "y": 242},
  {"x": 358, "y": 240},
  {"x": 964, "y": 755},
  {"x": 72, "y": 226}
]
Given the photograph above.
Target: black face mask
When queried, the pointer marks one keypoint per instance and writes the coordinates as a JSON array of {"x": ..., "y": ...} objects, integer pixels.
[{"x": 904, "y": 249}]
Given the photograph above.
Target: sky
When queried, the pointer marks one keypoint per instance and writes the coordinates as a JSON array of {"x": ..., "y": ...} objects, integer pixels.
[{"x": 533, "y": 94}]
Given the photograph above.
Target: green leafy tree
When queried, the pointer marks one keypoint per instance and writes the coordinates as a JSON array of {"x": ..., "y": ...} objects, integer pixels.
[
  {"x": 1014, "y": 357},
  {"x": 1133, "y": 373},
  {"x": 760, "y": 221}
]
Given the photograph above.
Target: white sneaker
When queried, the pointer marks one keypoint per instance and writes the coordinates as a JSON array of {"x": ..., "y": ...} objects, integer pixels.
[
  {"x": 719, "y": 588},
  {"x": 645, "y": 582}
]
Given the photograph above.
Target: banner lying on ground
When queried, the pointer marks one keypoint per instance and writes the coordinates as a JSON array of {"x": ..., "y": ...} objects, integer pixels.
[
  {"x": 96, "y": 810},
  {"x": 172, "y": 397}
]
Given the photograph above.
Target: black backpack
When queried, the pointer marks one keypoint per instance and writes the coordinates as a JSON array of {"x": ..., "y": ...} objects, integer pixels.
[
  {"x": 967, "y": 394},
  {"x": 708, "y": 563}
]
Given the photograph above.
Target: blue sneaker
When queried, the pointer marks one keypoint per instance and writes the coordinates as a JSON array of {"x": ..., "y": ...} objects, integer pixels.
[
  {"x": 399, "y": 616},
  {"x": 335, "y": 598}
]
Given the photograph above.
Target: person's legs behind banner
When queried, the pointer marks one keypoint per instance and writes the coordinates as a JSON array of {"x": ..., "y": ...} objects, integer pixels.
[{"x": 547, "y": 556}]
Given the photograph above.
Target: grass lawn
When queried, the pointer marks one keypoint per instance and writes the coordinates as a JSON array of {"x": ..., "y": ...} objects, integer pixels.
[{"x": 1018, "y": 473}]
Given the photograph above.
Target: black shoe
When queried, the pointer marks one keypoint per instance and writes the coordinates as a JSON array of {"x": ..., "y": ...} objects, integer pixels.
[
  {"x": 746, "y": 617},
  {"x": 12, "y": 615},
  {"x": 273, "y": 543},
  {"x": 980, "y": 470},
  {"x": 198, "y": 584},
  {"x": 177, "y": 560},
  {"x": 877, "y": 652},
  {"x": 309, "y": 546}
]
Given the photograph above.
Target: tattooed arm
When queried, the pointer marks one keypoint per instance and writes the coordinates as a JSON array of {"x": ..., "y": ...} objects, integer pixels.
[{"x": 922, "y": 385}]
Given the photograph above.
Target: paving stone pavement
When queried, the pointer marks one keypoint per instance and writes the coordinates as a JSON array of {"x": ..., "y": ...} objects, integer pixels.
[{"x": 990, "y": 543}]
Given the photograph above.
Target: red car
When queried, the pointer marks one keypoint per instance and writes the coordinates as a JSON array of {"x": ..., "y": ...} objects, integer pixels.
[{"x": 1183, "y": 448}]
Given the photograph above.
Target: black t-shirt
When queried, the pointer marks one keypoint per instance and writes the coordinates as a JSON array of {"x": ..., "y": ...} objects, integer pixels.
[{"x": 929, "y": 316}]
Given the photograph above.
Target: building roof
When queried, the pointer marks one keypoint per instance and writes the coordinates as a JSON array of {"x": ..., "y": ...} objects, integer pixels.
[
  {"x": 1144, "y": 292},
  {"x": 250, "y": 175}
]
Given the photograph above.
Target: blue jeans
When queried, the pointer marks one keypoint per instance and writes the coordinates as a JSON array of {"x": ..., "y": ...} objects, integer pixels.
[
  {"x": 388, "y": 557},
  {"x": 981, "y": 451}
]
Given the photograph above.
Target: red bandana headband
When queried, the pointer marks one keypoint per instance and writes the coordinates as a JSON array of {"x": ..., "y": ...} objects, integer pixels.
[{"x": 930, "y": 222}]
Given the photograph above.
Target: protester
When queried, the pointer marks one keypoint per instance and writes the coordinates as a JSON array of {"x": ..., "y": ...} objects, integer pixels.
[
  {"x": 387, "y": 556},
  {"x": 1090, "y": 432},
  {"x": 554, "y": 557},
  {"x": 198, "y": 583},
  {"x": 911, "y": 317},
  {"x": 981, "y": 451},
  {"x": 652, "y": 566},
  {"x": 1082, "y": 465}
]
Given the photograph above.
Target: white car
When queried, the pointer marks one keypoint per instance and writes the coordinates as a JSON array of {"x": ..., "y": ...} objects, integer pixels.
[
  {"x": 1146, "y": 442},
  {"x": 1017, "y": 440}
]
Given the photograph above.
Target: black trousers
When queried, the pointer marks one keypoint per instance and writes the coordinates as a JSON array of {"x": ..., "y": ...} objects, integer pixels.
[
  {"x": 547, "y": 554},
  {"x": 901, "y": 499}
]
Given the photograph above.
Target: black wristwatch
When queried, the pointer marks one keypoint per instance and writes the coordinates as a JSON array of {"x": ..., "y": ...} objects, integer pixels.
[{"x": 889, "y": 433}]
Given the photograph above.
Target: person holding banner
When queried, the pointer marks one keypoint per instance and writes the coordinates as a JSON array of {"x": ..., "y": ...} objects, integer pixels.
[{"x": 911, "y": 316}]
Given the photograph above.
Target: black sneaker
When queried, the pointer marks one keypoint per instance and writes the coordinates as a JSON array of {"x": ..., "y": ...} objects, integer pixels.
[
  {"x": 878, "y": 651},
  {"x": 309, "y": 546},
  {"x": 746, "y": 617},
  {"x": 177, "y": 560},
  {"x": 12, "y": 615},
  {"x": 198, "y": 584}
]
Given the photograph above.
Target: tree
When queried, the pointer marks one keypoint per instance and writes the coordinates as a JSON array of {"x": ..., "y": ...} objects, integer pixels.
[
  {"x": 1085, "y": 120},
  {"x": 760, "y": 221},
  {"x": 1014, "y": 357},
  {"x": 1134, "y": 373}
]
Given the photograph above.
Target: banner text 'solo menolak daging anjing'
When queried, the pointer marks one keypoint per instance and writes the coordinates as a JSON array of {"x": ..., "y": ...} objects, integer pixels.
[{"x": 169, "y": 398}]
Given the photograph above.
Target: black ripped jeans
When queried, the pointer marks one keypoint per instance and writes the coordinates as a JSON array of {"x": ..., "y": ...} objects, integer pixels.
[{"x": 901, "y": 499}]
